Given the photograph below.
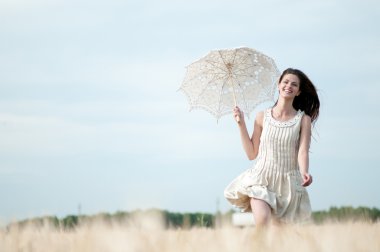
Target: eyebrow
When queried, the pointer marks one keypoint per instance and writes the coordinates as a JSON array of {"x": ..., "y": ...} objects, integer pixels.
[{"x": 291, "y": 81}]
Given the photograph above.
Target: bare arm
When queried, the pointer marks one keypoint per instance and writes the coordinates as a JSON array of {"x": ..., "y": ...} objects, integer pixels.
[
  {"x": 250, "y": 144},
  {"x": 303, "y": 153}
]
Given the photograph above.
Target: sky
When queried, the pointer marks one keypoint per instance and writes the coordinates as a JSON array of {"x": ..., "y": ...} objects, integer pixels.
[{"x": 91, "y": 120}]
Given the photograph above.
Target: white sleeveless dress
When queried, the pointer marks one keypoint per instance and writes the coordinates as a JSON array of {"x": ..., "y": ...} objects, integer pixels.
[{"x": 275, "y": 178}]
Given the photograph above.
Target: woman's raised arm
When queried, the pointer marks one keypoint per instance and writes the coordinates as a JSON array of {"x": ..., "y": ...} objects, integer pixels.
[{"x": 250, "y": 144}]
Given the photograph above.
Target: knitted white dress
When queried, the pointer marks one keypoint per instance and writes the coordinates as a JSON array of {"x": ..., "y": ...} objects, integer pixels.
[{"x": 275, "y": 178}]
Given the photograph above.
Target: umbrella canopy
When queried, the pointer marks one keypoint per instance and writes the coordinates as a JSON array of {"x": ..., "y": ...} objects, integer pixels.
[{"x": 227, "y": 78}]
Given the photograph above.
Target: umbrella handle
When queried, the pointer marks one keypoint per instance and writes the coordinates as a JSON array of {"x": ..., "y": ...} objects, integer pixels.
[{"x": 234, "y": 96}]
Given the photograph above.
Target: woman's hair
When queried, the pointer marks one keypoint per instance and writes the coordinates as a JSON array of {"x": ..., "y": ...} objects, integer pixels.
[{"x": 307, "y": 100}]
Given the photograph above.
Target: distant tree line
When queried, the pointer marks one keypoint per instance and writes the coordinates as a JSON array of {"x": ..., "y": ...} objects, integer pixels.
[
  {"x": 188, "y": 220},
  {"x": 347, "y": 213},
  {"x": 164, "y": 218}
]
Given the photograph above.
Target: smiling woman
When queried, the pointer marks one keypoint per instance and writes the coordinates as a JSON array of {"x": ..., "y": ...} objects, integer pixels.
[{"x": 274, "y": 189}]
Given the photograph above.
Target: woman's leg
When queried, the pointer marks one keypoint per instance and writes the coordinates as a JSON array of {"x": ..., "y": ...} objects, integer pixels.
[{"x": 261, "y": 212}]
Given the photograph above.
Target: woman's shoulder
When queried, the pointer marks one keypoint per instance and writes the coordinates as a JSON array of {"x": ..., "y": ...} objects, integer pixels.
[
  {"x": 263, "y": 113},
  {"x": 260, "y": 114},
  {"x": 260, "y": 117},
  {"x": 306, "y": 120},
  {"x": 306, "y": 117}
]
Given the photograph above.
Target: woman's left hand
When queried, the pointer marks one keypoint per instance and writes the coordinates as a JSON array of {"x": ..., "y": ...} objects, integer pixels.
[{"x": 307, "y": 179}]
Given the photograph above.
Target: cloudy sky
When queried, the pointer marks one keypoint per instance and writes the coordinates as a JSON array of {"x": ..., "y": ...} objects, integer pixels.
[{"x": 90, "y": 114}]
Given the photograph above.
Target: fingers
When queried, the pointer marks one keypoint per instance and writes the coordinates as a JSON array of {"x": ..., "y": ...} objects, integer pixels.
[
  {"x": 237, "y": 111},
  {"x": 238, "y": 114},
  {"x": 307, "y": 180}
]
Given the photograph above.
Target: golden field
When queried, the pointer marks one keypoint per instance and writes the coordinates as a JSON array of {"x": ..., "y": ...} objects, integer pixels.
[{"x": 151, "y": 236}]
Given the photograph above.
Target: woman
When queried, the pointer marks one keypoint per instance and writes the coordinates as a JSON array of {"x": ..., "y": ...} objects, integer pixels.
[{"x": 274, "y": 189}]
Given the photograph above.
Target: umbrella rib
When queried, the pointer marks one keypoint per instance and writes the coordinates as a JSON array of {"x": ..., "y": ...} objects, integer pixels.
[
  {"x": 245, "y": 102},
  {"x": 245, "y": 75},
  {"x": 215, "y": 64},
  {"x": 244, "y": 58},
  {"x": 220, "y": 96},
  {"x": 220, "y": 55},
  {"x": 247, "y": 66},
  {"x": 224, "y": 62},
  {"x": 205, "y": 87},
  {"x": 243, "y": 61},
  {"x": 197, "y": 75},
  {"x": 244, "y": 70},
  {"x": 233, "y": 60}
]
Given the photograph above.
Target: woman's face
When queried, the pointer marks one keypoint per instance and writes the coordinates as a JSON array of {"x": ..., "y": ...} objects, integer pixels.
[{"x": 289, "y": 87}]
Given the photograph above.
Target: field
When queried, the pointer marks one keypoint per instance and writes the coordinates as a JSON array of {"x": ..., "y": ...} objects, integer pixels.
[{"x": 151, "y": 236}]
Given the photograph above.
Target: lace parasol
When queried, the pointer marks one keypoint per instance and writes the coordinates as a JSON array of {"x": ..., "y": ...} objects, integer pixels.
[{"x": 227, "y": 78}]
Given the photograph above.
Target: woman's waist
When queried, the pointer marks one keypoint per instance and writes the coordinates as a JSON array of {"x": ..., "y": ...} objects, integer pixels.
[{"x": 277, "y": 165}]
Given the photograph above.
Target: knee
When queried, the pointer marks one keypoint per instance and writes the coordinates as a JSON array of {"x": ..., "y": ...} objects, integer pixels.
[
  {"x": 262, "y": 219},
  {"x": 261, "y": 212}
]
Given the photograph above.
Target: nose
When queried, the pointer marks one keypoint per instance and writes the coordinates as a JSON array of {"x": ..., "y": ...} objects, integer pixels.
[{"x": 288, "y": 85}]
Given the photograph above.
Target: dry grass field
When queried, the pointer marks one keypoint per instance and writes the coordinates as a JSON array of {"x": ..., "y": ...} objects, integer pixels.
[{"x": 151, "y": 236}]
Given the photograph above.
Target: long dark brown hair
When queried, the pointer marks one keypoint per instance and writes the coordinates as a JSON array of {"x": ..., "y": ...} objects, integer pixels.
[{"x": 307, "y": 100}]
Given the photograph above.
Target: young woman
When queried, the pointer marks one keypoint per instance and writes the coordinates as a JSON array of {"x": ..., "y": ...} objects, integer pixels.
[{"x": 274, "y": 189}]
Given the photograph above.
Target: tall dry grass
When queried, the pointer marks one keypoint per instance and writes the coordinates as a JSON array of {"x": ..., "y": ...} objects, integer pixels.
[{"x": 149, "y": 235}]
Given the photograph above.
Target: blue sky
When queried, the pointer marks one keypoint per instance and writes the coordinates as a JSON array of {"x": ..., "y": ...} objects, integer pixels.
[{"x": 90, "y": 113}]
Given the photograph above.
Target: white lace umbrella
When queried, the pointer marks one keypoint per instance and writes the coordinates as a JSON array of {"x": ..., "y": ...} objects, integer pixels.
[{"x": 227, "y": 78}]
